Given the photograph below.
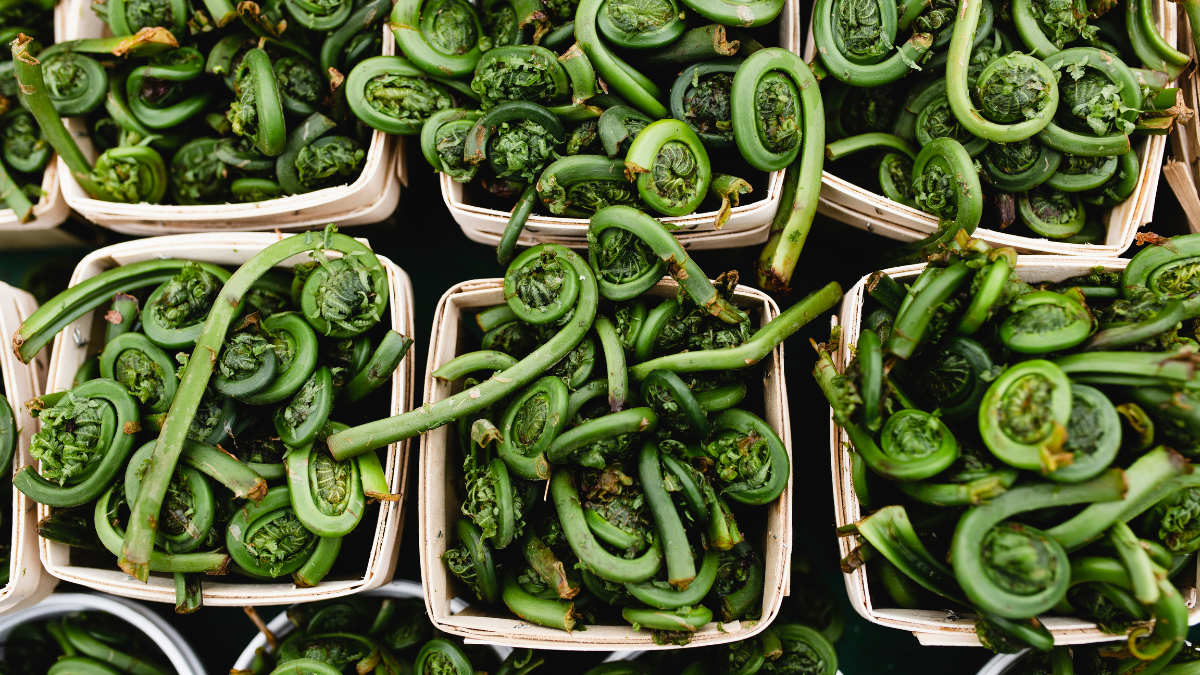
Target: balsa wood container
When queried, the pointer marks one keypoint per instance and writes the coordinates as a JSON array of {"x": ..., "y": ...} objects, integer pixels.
[
  {"x": 859, "y": 207},
  {"x": 51, "y": 209},
  {"x": 70, "y": 348},
  {"x": 27, "y": 582},
  {"x": 372, "y": 196},
  {"x": 439, "y": 507},
  {"x": 939, "y": 626},
  {"x": 750, "y": 223}
]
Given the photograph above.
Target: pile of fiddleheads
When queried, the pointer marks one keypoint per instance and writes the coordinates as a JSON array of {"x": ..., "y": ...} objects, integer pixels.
[
  {"x": 89, "y": 642},
  {"x": 24, "y": 150},
  {"x": 633, "y": 404},
  {"x": 572, "y": 109},
  {"x": 213, "y": 105},
  {"x": 387, "y": 636},
  {"x": 391, "y": 635},
  {"x": 1035, "y": 435},
  {"x": 1047, "y": 99},
  {"x": 194, "y": 440}
]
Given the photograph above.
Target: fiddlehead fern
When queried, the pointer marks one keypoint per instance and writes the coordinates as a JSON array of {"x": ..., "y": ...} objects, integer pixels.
[
  {"x": 935, "y": 119},
  {"x": 583, "y": 184},
  {"x": 299, "y": 83},
  {"x": 946, "y": 184},
  {"x": 354, "y": 40},
  {"x": 390, "y": 94},
  {"x": 530, "y": 424},
  {"x": 852, "y": 38},
  {"x": 77, "y": 83},
  {"x": 1100, "y": 95},
  {"x": 156, "y": 92},
  {"x": 85, "y": 439},
  {"x": 143, "y": 369},
  {"x": 618, "y": 126},
  {"x": 188, "y": 510},
  {"x": 1079, "y": 174},
  {"x": 1052, "y": 213},
  {"x": 304, "y": 415},
  {"x": 247, "y": 365},
  {"x": 1016, "y": 95},
  {"x": 516, "y": 138},
  {"x": 320, "y": 15},
  {"x": 25, "y": 148},
  {"x": 441, "y": 37},
  {"x": 313, "y": 160},
  {"x": 129, "y": 175},
  {"x": 198, "y": 174},
  {"x": 1048, "y": 25},
  {"x": 627, "y": 82},
  {"x": 773, "y": 109},
  {"x": 257, "y": 113},
  {"x": 175, "y": 311},
  {"x": 504, "y": 21},
  {"x": 127, "y": 17},
  {"x": 672, "y": 167},
  {"x": 343, "y": 298},
  {"x": 743, "y": 447},
  {"x": 1173, "y": 521},
  {"x": 472, "y": 562},
  {"x": 701, "y": 96},
  {"x": 327, "y": 495},
  {"x": 1016, "y": 571},
  {"x": 519, "y": 73},
  {"x": 443, "y": 138},
  {"x": 1021, "y": 165},
  {"x": 266, "y": 539},
  {"x": 640, "y": 24},
  {"x": 1024, "y": 415}
]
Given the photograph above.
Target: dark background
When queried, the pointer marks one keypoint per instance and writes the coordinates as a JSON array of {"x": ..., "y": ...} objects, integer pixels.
[{"x": 424, "y": 240}]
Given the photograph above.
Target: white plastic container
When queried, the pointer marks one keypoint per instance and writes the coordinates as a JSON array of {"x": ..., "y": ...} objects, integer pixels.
[
  {"x": 372, "y": 197},
  {"x": 750, "y": 223},
  {"x": 234, "y": 249},
  {"x": 438, "y": 508},
  {"x": 51, "y": 209},
  {"x": 177, "y": 651},
  {"x": 281, "y": 627},
  {"x": 27, "y": 582},
  {"x": 1001, "y": 663},
  {"x": 939, "y": 626},
  {"x": 857, "y": 206}
]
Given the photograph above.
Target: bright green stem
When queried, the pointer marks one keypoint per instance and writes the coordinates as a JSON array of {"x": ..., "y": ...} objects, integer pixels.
[
  {"x": 379, "y": 369},
  {"x": 28, "y": 72},
  {"x": 681, "y": 568},
  {"x": 754, "y": 349},
  {"x": 1142, "y": 477},
  {"x": 371, "y": 435},
  {"x": 971, "y": 568},
  {"x": 143, "y": 523},
  {"x": 848, "y": 146}
]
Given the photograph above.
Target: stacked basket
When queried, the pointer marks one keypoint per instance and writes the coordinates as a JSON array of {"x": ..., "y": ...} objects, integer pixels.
[
  {"x": 370, "y": 198},
  {"x": 859, "y": 207},
  {"x": 69, "y": 351},
  {"x": 27, "y": 581}
]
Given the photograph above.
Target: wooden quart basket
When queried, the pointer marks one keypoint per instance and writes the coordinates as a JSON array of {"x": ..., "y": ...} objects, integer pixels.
[
  {"x": 372, "y": 196},
  {"x": 943, "y": 627},
  {"x": 51, "y": 209},
  {"x": 70, "y": 348},
  {"x": 750, "y": 223},
  {"x": 857, "y": 206},
  {"x": 439, "y": 507},
  {"x": 27, "y": 582}
]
